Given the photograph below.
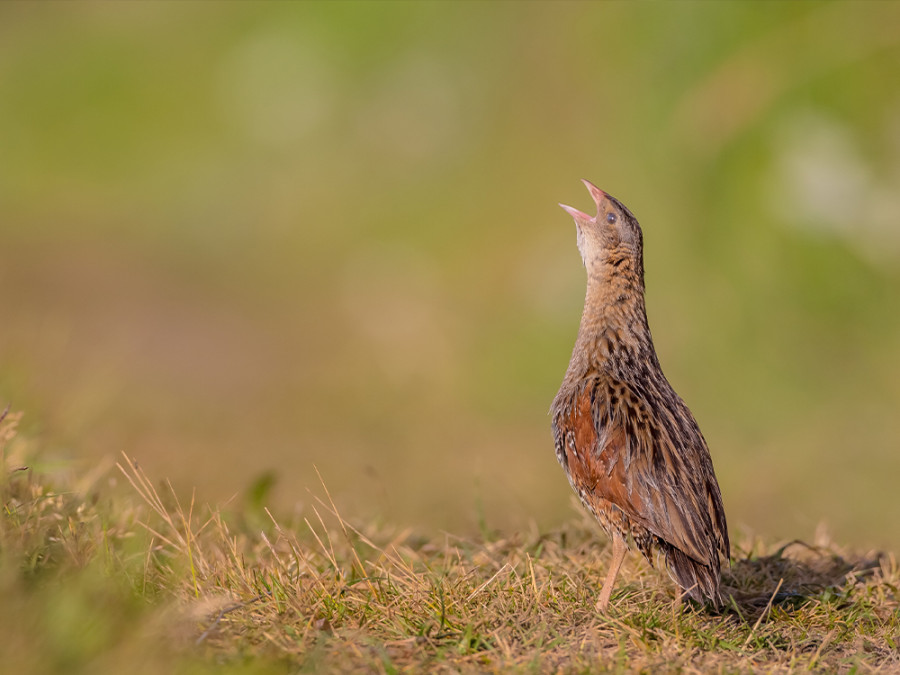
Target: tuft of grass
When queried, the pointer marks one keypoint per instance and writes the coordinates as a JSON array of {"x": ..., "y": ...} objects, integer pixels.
[{"x": 100, "y": 579}]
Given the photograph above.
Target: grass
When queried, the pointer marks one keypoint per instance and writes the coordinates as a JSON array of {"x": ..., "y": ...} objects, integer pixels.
[{"x": 100, "y": 577}]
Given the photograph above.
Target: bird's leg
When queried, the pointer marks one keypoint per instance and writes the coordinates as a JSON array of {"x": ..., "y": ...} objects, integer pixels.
[{"x": 618, "y": 555}]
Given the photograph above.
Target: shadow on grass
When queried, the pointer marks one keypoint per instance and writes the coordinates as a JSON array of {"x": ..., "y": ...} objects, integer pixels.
[{"x": 789, "y": 578}]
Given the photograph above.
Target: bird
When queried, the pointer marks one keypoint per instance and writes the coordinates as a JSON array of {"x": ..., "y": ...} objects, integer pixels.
[{"x": 629, "y": 445}]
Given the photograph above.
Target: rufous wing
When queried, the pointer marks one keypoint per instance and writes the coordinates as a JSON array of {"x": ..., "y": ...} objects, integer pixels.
[{"x": 624, "y": 456}]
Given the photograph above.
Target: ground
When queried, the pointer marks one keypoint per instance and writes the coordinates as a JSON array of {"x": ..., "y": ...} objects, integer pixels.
[{"x": 111, "y": 571}]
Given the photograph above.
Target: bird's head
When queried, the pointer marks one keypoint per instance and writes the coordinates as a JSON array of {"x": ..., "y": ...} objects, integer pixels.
[{"x": 611, "y": 237}]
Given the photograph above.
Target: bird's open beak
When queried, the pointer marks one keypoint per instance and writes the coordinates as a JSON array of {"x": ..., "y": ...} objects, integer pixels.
[{"x": 597, "y": 195}]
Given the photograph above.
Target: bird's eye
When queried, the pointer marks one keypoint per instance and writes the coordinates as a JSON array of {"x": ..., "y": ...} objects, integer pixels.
[{"x": 610, "y": 218}]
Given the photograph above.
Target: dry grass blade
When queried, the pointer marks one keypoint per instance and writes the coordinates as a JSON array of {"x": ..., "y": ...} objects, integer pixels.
[
  {"x": 822, "y": 645},
  {"x": 141, "y": 484},
  {"x": 327, "y": 550},
  {"x": 334, "y": 510},
  {"x": 221, "y": 615},
  {"x": 764, "y": 612},
  {"x": 488, "y": 582}
]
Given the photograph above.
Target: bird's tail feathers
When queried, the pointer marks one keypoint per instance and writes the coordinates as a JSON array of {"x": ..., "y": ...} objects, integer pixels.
[{"x": 700, "y": 582}]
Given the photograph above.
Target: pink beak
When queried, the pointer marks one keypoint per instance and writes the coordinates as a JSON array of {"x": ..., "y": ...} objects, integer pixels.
[
  {"x": 575, "y": 213},
  {"x": 597, "y": 195}
]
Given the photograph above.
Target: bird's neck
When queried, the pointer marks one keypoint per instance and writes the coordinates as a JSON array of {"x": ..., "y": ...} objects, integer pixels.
[{"x": 613, "y": 330}]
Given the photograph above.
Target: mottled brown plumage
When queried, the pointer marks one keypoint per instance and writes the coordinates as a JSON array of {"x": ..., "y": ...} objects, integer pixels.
[{"x": 628, "y": 443}]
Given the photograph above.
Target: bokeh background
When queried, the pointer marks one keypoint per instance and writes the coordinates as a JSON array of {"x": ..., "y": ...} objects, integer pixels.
[{"x": 240, "y": 241}]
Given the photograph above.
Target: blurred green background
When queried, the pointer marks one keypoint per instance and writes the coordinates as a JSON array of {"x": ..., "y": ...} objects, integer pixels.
[{"x": 242, "y": 240}]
